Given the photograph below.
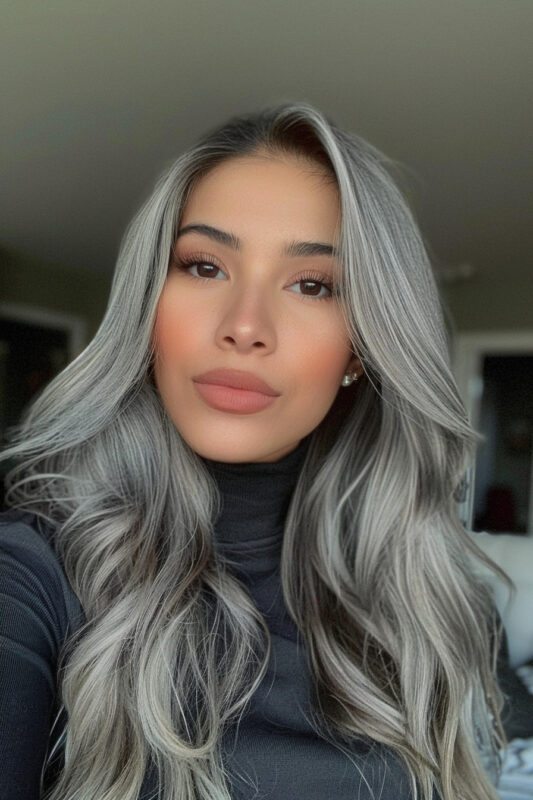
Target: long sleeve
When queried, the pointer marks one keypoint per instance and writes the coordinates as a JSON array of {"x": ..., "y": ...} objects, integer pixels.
[{"x": 36, "y": 605}]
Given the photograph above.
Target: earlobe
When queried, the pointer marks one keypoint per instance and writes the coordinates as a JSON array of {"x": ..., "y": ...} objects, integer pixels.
[
  {"x": 352, "y": 372},
  {"x": 354, "y": 367}
]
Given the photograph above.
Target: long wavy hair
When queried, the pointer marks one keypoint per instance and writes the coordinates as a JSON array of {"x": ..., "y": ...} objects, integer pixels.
[{"x": 377, "y": 571}]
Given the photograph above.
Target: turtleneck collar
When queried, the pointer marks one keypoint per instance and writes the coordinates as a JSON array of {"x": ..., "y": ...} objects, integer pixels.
[{"x": 255, "y": 497}]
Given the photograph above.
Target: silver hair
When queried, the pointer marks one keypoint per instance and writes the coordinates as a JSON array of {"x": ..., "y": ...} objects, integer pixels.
[{"x": 377, "y": 570}]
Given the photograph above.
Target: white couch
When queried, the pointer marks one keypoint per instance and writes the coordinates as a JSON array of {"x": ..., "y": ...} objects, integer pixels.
[{"x": 514, "y": 554}]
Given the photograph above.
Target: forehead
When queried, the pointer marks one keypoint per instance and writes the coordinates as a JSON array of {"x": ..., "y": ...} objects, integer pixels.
[
  {"x": 279, "y": 190},
  {"x": 262, "y": 165}
]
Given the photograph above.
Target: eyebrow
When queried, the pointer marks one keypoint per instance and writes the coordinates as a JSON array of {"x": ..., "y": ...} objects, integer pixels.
[{"x": 293, "y": 249}]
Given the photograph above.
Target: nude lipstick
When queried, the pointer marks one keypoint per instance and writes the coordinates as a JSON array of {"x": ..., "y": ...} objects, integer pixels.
[{"x": 234, "y": 391}]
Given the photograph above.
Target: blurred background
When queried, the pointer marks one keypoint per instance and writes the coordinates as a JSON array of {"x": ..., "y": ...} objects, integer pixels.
[{"x": 98, "y": 97}]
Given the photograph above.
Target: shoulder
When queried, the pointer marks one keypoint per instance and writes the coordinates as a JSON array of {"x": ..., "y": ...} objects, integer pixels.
[
  {"x": 39, "y": 610},
  {"x": 31, "y": 573},
  {"x": 24, "y": 533}
]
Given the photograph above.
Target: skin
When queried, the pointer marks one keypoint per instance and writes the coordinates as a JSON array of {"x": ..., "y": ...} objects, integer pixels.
[{"x": 253, "y": 313}]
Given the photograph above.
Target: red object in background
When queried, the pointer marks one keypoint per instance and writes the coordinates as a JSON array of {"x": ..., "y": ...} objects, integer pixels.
[{"x": 500, "y": 509}]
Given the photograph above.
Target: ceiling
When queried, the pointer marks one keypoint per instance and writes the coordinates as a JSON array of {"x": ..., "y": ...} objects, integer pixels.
[{"x": 98, "y": 97}]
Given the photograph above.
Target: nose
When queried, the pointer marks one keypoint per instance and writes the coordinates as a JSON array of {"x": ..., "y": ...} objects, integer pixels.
[{"x": 247, "y": 324}]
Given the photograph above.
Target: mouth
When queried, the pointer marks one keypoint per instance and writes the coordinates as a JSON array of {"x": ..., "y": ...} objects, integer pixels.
[
  {"x": 234, "y": 391},
  {"x": 236, "y": 379}
]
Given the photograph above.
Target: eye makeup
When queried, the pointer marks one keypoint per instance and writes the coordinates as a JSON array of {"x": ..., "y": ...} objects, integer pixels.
[{"x": 313, "y": 284}]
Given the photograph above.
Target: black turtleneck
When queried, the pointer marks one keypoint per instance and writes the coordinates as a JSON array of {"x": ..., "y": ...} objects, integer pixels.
[
  {"x": 275, "y": 752},
  {"x": 249, "y": 530}
]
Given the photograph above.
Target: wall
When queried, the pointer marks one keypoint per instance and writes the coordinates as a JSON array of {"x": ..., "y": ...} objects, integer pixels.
[
  {"x": 488, "y": 303},
  {"x": 52, "y": 286}
]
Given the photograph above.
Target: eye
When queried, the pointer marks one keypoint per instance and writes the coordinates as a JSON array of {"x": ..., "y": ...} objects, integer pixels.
[
  {"x": 318, "y": 286},
  {"x": 200, "y": 268}
]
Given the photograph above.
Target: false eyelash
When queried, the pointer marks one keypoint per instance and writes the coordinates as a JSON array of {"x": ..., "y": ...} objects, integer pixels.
[
  {"x": 316, "y": 277},
  {"x": 312, "y": 277},
  {"x": 324, "y": 280},
  {"x": 189, "y": 261}
]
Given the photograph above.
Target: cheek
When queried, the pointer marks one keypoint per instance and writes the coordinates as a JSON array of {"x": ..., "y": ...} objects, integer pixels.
[
  {"x": 328, "y": 361},
  {"x": 322, "y": 361},
  {"x": 323, "y": 373},
  {"x": 174, "y": 329}
]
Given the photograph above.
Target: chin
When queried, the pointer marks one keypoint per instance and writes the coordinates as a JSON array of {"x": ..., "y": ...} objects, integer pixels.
[{"x": 242, "y": 453}]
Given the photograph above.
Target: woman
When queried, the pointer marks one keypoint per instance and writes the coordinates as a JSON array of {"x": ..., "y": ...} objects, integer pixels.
[{"x": 247, "y": 481}]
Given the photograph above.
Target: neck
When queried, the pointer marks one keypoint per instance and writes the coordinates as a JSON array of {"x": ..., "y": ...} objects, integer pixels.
[{"x": 255, "y": 496}]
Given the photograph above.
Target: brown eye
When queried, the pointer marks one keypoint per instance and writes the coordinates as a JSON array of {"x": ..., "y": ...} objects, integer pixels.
[
  {"x": 201, "y": 269},
  {"x": 206, "y": 270},
  {"x": 312, "y": 287}
]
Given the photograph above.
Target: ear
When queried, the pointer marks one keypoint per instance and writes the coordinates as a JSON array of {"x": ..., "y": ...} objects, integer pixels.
[{"x": 354, "y": 366}]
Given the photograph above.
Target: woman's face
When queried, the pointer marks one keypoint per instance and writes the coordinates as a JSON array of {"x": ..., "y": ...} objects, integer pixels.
[{"x": 246, "y": 294}]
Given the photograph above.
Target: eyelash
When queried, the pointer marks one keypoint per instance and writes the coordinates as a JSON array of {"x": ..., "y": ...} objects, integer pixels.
[{"x": 184, "y": 264}]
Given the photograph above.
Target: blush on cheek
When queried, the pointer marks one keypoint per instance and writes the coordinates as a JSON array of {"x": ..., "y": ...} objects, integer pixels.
[
  {"x": 172, "y": 333},
  {"x": 327, "y": 365}
]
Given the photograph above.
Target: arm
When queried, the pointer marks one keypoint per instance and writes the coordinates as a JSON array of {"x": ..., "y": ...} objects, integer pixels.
[{"x": 33, "y": 626}]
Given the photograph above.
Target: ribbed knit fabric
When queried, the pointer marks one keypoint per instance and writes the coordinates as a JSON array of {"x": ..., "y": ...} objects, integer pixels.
[
  {"x": 249, "y": 531},
  {"x": 275, "y": 753}
]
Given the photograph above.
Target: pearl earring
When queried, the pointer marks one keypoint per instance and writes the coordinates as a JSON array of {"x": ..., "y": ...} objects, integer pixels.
[{"x": 349, "y": 379}]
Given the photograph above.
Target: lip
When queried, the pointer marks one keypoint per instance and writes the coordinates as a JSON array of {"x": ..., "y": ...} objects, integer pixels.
[
  {"x": 234, "y": 391},
  {"x": 236, "y": 379}
]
